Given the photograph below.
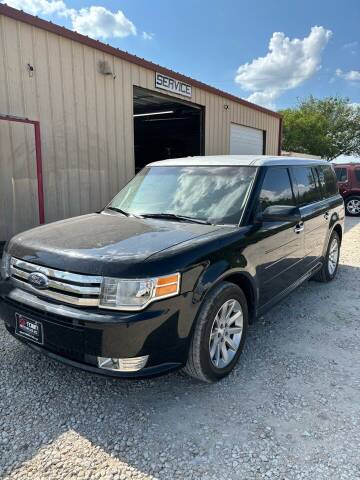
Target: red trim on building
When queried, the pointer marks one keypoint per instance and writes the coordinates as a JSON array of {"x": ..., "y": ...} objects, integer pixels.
[
  {"x": 280, "y": 135},
  {"x": 39, "y": 173},
  {"x": 38, "y": 156},
  {"x": 77, "y": 37}
]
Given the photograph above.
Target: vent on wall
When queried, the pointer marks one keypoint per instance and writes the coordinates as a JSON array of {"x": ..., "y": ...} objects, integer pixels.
[{"x": 104, "y": 68}]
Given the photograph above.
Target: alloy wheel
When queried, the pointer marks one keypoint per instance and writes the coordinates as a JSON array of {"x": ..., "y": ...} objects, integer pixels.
[
  {"x": 226, "y": 333},
  {"x": 333, "y": 256},
  {"x": 353, "y": 206}
]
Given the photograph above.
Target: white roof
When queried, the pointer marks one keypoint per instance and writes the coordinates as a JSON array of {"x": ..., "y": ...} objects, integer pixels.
[{"x": 236, "y": 160}]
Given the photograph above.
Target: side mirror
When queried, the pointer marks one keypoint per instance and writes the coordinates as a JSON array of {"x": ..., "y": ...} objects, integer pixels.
[{"x": 281, "y": 213}]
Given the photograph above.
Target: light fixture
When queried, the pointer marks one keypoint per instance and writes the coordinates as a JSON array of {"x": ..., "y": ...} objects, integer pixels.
[
  {"x": 153, "y": 113},
  {"x": 30, "y": 69},
  {"x": 136, "y": 294},
  {"x": 133, "y": 364}
]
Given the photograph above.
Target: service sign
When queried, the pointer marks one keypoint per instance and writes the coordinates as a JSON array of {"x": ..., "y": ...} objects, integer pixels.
[{"x": 171, "y": 85}]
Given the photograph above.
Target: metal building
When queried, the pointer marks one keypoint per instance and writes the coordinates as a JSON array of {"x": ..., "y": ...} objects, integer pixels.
[{"x": 78, "y": 118}]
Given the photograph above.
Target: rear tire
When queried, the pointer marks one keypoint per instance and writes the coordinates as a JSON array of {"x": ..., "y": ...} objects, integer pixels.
[
  {"x": 352, "y": 206},
  {"x": 219, "y": 334},
  {"x": 331, "y": 263}
]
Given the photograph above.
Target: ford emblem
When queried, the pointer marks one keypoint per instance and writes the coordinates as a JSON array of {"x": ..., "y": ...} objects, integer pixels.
[{"x": 38, "y": 280}]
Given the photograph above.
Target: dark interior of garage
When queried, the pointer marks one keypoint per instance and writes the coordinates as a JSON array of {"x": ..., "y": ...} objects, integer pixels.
[{"x": 165, "y": 127}]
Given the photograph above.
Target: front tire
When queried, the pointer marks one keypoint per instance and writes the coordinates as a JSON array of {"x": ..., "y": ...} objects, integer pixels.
[
  {"x": 352, "y": 206},
  {"x": 219, "y": 335},
  {"x": 330, "y": 266}
]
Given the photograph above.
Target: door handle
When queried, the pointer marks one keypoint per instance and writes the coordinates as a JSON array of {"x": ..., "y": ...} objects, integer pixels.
[
  {"x": 299, "y": 227},
  {"x": 326, "y": 215}
]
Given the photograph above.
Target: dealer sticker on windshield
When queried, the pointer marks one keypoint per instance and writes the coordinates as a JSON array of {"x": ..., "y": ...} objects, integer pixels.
[{"x": 28, "y": 328}]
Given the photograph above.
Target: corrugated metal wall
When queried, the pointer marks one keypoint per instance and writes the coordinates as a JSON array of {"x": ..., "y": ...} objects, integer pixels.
[
  {"x": 86, "y": 117},
  {"x": 17, "y": 179}
]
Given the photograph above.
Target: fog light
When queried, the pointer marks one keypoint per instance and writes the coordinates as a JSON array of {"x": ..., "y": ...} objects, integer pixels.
[{"x": 122, "y": 364}]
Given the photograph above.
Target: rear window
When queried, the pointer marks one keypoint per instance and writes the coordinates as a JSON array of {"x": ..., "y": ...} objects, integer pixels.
[
  {"x": 327, "y": 180},
  {"x": 357, "y": 174},
  {"x": 341, "y": 174},
  {"x": 308, "y": 188}
]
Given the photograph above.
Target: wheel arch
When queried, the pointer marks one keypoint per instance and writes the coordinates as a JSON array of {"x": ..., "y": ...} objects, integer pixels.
[
  {"x": 216, "y": 274},
  {"x": 339, "y": 231},
  {"x": 242, "y": 280}
]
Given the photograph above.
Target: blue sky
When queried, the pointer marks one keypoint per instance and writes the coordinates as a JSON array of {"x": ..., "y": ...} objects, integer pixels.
[{"x": 210, "y": 39}]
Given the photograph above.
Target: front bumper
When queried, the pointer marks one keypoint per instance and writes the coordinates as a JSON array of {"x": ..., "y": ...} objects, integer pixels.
[{"x": 78, "y": 336}]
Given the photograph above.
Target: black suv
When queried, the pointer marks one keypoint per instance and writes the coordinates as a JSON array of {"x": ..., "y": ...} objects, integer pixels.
[{"x": 169, "y": 274}]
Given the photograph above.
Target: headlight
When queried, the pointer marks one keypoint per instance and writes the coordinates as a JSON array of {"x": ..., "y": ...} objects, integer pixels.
[
  {"x": 137, "y": 294},
  {"x": 5, "y": 266}
]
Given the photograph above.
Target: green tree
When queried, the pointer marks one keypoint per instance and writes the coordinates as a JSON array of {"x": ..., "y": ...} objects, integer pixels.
[{"x": 327, "y": 127}]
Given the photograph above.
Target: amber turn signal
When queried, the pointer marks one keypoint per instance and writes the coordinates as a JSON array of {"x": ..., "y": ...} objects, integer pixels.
[{"x": 169, "y": 285}]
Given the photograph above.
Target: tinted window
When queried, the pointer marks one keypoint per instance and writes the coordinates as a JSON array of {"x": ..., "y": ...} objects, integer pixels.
[
  {"x": 357, "y": 174},
  {"x": 308, "y": 190},
  {"x": 276, "y": 189},
  {"x": 341, "y": 174},
  {"x": 327, "y": 180}
]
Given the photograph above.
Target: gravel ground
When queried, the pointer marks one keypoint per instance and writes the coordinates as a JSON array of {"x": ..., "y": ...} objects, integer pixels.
[{"x": 290, "y": 410}]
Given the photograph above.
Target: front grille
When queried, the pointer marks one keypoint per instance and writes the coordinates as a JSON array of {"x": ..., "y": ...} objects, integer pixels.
[{"x": 65, "y": 287}]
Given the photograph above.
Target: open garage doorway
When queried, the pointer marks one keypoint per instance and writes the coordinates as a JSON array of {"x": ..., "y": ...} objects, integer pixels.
[{"x": 165, "y": 127}]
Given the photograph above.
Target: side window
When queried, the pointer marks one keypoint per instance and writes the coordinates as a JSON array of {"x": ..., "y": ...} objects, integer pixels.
[
  {"x": 316, "y": 175},
  {"x": 308, "y": 189},
  {"x": 276, "y": 189},
  {"x": 341, "y": 174},
  {"x": 357, "y": 174},
  {"x": 327, "y": 180}
]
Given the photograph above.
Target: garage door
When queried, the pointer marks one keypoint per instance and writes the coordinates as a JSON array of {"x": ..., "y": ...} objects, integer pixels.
[{"x": 246, "y": 140}]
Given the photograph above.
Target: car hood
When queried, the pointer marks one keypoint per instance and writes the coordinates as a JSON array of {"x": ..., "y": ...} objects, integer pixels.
[{"x": 102, "y": 244}]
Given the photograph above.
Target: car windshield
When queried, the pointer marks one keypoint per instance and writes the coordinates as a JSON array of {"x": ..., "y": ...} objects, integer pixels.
[{"x": 211, "y": 194}]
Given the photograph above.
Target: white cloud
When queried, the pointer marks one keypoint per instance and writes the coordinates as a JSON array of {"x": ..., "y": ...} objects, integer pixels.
[
  {"x": 94, "y": 21},
  {"x": 346, "y": 159},
  {"x": 100, "y": 22},
  {"x": 351, "y": 47},
  {"x": 288, "y": 64},
  {"x": 266, "y": 98},
  {"x": 36, "y": 7},
  {"x": 147, "y": 36},
  {"x": 351, "y": 44},
  {"x": 351, "y": 76}
]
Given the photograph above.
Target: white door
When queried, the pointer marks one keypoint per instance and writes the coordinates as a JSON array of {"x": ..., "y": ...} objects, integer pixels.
[{"x": 245, "y": 140}]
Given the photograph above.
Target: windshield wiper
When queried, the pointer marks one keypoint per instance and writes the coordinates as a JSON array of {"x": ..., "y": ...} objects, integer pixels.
[
  {"x": 114, "y": 209},
  {"x": 119, "y": 210},
  {"x": 173, "y": 216}
]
